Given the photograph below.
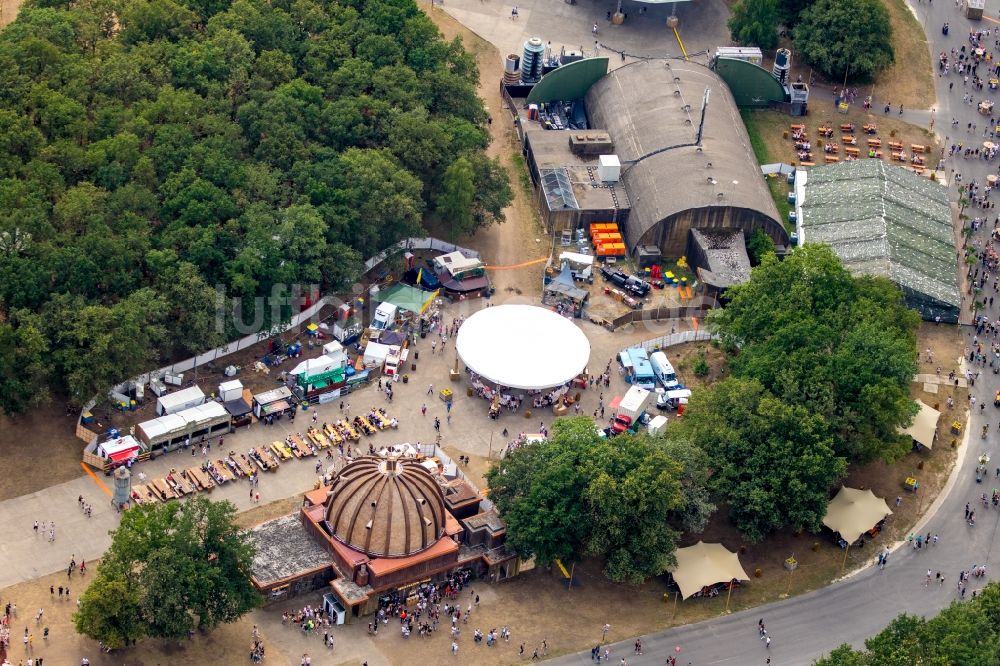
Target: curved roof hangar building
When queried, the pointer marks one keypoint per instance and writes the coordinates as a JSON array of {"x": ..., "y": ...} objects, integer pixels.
[{"x": 652, "y": 111}]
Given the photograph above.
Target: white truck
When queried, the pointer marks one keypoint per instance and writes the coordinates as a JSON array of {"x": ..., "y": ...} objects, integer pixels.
[
  {"x": 663, "y": 370},
  {"x": 395, "y": 360},
  {"x": 385, "y": 316},
  {"x": 630, "y": 409}
]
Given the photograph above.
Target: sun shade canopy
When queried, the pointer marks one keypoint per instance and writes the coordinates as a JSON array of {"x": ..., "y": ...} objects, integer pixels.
[
  {"x": 924, "y": 425},
  {"x": 853, "y": 512},
  {"x": 705, "y": 564}
]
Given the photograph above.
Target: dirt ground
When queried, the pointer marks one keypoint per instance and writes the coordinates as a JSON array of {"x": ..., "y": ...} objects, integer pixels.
[
  {"x": 65, "y": 646},
  {"x": 8, "y": 11},
  {"x": 910, "y": 81},
  {"x": 772, "y": 127},
  {"x": 521, "y": 238},
  {"x": 47, "y": 429}
]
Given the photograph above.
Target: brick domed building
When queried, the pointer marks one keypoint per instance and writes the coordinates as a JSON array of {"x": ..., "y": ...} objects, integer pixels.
[{"x": 386, "y": 524}]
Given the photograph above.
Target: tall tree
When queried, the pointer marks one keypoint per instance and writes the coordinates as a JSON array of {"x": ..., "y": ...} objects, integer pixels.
[
  {"x": 634, "y": 485},
  {"x": 454, "y": 203},
  {"x": 849, "y": 39},
  {"x": 177, "y": 566},
  {"x": 578, "y": 493},
  {"x": 842, "y": 347},
  {"x": 774, "y": 463},
  {"x": 261, "y": 143},
  {"x": 110, "y": 610},
  {"x": 539, "y": 490},
  {"x": 23, "y": 363},
  {"x": 755, "y": 23}
]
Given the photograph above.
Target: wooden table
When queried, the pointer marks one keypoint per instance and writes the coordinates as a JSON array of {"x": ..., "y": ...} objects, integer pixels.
[
  {"x": 200, "y": 478},
  {"x": 223, "y": 470},
  {"x": 300, "y": 448}
]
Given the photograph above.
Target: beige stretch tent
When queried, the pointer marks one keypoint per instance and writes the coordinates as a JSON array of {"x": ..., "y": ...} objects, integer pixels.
[
  {"x": 705, "y": 564},
  {"x": 924, "y": 426},
  {"x": 853, "y": 512}
]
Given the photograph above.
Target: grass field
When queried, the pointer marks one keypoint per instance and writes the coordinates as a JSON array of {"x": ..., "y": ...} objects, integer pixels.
[
  {"x": 778, "y": 187},
  {"x": 910, "y": 81}
]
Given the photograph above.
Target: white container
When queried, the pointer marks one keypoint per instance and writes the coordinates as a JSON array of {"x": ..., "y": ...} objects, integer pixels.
[
  {"x": 183, "y": 399},
  {"x": 609, "y": 169},
  {"x": 232, "y": 390},
  {"x": 657, "y": 425}
]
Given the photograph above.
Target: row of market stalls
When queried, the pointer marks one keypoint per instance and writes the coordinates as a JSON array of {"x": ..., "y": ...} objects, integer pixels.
[{"x": 705, "y": 568}]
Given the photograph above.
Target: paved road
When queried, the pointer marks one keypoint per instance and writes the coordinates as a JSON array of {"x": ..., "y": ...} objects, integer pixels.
[{"x": 806, "y": 627}]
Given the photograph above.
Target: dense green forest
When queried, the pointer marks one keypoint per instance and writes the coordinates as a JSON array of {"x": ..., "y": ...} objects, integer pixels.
[{"x": 153, "y": 149}]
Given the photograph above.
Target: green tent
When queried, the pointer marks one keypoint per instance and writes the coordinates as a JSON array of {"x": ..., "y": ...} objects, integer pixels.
[{"x": 405, "y": 297}]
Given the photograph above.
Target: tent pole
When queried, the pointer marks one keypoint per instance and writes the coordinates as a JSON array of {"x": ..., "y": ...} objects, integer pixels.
[
  {"x": 676, "y": 595},
  {"x": 843, "y": 564},
  {"x": 728, "y": 595}
]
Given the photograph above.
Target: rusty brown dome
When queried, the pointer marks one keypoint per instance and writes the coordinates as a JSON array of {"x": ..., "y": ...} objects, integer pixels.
[{"x": 386, "y": 507}]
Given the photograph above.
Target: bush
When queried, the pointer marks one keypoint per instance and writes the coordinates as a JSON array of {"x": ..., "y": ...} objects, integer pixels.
[
  {"x": 758, "y": 245},
  {"x": 701, "y": 368},
  {"x": 755, "y": 23},
  {"x": 845, "y": 37}
]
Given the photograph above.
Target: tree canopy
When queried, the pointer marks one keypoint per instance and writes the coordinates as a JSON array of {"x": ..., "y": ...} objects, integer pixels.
[
  {"x": 755, "y": 23},
  {"x": 170, "y": 568},
  {"x": 150, "y": 151},
  {"x": 966, "y": 632},
  {"x": 578, "y": 493},
  {"x": 841, "y": 347},
  {"x": 773, "y": 462},
  {"x": 845, "y": 38}
]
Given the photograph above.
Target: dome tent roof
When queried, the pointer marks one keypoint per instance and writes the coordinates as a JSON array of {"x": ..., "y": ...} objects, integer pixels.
[{"x": 386, "y": 507}]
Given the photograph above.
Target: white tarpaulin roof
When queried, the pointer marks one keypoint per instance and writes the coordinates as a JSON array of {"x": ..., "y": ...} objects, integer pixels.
[
  {"x": 924, "y": 425},
  {"x": 456, "y": 262},
  {"x": 523, "y": 346},
  {"x": 203, "y": 413},
  {"x": 853, "y": 512},
  {"x": 161, "y": 426},
  {"x": 705, "y": 564},
  {"x": 182, "y": 397},
  {"x": 231, "y": 386},
  {"x": 376, "y": 352},
  {"x": 315, "y": 366},
  {"x": 113, "y": 446},
  {"x": 182, "y": 420}
]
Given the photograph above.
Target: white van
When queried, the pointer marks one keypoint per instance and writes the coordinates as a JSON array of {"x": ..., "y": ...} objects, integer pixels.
[{"x": 663, "y": 370}]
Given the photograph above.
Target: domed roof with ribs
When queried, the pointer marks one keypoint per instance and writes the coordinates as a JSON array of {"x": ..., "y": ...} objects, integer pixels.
[{"x": 386, "y": 507}]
